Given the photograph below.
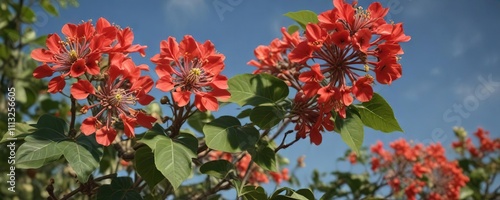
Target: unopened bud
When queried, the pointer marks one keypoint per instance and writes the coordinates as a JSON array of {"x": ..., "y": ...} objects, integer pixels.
[
  {"x": 460, "y": 132},
  {"x": 165, "y": 100}
]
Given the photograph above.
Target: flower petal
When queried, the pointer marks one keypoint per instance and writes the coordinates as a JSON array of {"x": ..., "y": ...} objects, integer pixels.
[
  {"x": 105, "y": 136},
  {"x": 56, "y": 84},
  {"x": 43, "y": 71},
  {"x": 181, "y": 97},
  {"x": 88, "y": 126},
  {"x": 82, "y": 89}
]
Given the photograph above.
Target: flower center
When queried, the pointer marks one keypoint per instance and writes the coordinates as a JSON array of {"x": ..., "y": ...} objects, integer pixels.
[
  {"x": 193, "y": 76},
  {"x": 120, "y": 96},
  {"x": 73, "y": 56}
]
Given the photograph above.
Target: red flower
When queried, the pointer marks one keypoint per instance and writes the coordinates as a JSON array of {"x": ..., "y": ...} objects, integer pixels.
[
  {"x": 81, "y": 50},
  {"x": 191, "y": 68},
  {"x": 309, "y": 118},
  {"x": 115, "y": 98},
  {"x": 416, "y": 169},
  {"x": 353, "y": 158}
]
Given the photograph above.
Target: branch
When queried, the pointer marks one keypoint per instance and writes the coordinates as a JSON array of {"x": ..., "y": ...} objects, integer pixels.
[
  {"x": 72, "y": 131},
  {"x": 222, "y": 185},
  {"x": 283, "y": 145}
]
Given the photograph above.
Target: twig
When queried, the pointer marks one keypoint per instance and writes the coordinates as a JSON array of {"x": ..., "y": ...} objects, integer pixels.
[
  {"x": 283, "y": 145},
  {"x": 72, "y": 131}
]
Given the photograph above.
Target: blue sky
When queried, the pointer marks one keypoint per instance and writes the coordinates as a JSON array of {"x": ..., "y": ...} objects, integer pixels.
[{"x": 451, "y": 74}]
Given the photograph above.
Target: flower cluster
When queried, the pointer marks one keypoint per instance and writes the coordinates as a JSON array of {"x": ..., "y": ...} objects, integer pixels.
[
  {"x": 112, "y": 91},
  {"x": 80, "y": 51},
  {"x": 418, "y": 170},
  {"x": 257, "y": 174},
  {"x": 330, "y": 65},
  {"x": 190, "y": 67},
  {"x": 486, "y": 147}
]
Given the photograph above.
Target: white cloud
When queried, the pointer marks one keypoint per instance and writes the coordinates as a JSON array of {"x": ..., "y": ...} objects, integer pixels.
[
  {"x": 180, "y": 13},
  {"x": 466, "y": 40},
  {"x": 417, "y": 91},
  {"x": 491, "y": 59},
  {"x": 435, "y": 71},
  {"x": 463, "y": 90}
]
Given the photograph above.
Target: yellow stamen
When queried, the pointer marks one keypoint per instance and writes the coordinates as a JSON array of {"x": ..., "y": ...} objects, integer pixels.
[{"x": 195, "y": 71}]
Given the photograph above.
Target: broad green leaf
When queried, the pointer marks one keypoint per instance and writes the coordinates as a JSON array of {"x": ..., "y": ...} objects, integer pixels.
[
  {"x": 466, "y": 192},
  {"x": 189, "y": 141},
  {"x": 27, "y": 15},
  {"x": 351, "y": 130},
  {"x": 120, "y": 188},
  {"x": 306, "y": 192},
  {"x": 291, "y": 194},
  {"x": 217, "y": 168},
  {"x": 47, "y": 6},
  {"x": 39, "y": 149},
  {"x": 250, "y": 89},
  {"x": 292, "y": 29},
  {"x": 251, "y": 192},
  {"x": 244, "y": 113},
  {"x": 227, "y": 134},
  {"x": 51, "y": 122},
  {"x": 4, "y": 51},
  {"x": 266, "y": 117},
  {"x": 20, "y": 131},
  {"x": 83, "y": 155},
  {"x": 28, "y": 35},
  {"x": 12, "y": 34},
  {"x": 145, "y": 165},
  {"x": 172, "y": 159},
  {"x": 199, "y": 119},
  {"x": 377, "y": 114},
  {"x": 40, "y": 40},
  {"x": 265, "y": 157},
  {"x": 303, "y": 17}
]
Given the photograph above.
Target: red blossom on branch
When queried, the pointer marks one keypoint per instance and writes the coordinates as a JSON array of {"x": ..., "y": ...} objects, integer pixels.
[
  {"x": 337, "y": 60},
  {"x": 80, "y": 51},
  {"x": 191, "y": 68},
  {"x": 420, "y": 171}
]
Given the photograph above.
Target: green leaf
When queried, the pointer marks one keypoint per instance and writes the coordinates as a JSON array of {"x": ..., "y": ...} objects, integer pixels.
[
  {"x": 120, "y": 188},
  {"x": 377, "y": 114},
  {"x": 250, "y": 89},
  {"x": 292, "y": 29},
  {"x": 466, "y": 192},
  {"x": 227, "y": 134},
  {"x": 171, "y": 158},
  {"x": 83, "y": 155},
  {"x": 199, "y": 119},
  {"x": 251, "y": 192},
  {"x": 217, "y": 168},
  {"x": 47, "y": 6},
  {"x": 306, "y": 192},
  {"x": 27, "y": 15},
  {"x": 40, "y": 40},
  {"x": 39, "y": 149},
  {"x": 479, "y": 174},
  {"x": 51, "y": 122},
  {"x": 244, "y": 113},
  {"x": 189, "y": 141},
  {"x": 291, "y": 194},
  {"x": 265, "y": 157},
  {"x": 145, "y": 165},
  {"x": 20, "y": 131},
  {"x": 303, "y": 17},
  {"x": 351, "y": 130},
  {"x": 266, "y": 117}
]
